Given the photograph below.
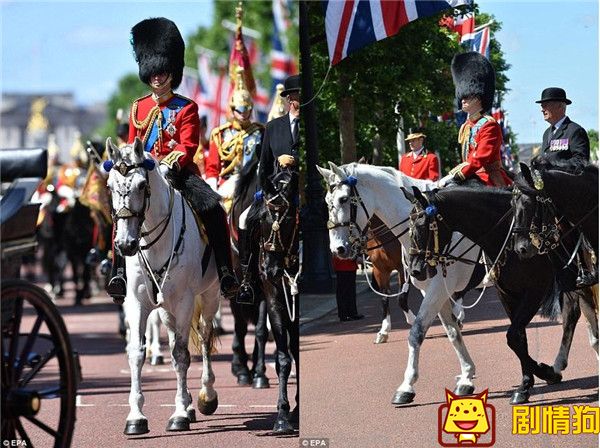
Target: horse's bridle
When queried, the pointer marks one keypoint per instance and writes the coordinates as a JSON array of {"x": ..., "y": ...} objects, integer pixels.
[
  {"x": 543, "y": 231},
  {"x": 123, "y": 190},
  {"x": 277, "y": 213}
]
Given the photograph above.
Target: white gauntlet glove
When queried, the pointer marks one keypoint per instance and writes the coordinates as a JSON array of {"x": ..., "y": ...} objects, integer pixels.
[{"x": 445, "y": 180}]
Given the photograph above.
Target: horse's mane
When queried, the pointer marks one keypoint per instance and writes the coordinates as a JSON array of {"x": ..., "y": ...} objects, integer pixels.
[
  {"x": 392, "y": 173},
  {"x": 524, "y": 186},
  {"x": 469, "y": 187},
  {"x": 574, "y": 165},
  {"x": 247, "y": 175}
]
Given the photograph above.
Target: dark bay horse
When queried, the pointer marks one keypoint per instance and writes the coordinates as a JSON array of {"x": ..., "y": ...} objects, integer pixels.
[
  {"x": 245, "y": 314},
  {"x": 279, "y": 267},
  {"x": 483, "y": 214}
]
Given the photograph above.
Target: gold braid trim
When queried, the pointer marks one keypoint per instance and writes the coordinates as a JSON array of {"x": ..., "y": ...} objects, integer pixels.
[{"x": 148, "y": 121}]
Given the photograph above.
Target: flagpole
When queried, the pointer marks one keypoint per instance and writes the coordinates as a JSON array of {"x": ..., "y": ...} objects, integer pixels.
[{"x": 317, "y": 272}]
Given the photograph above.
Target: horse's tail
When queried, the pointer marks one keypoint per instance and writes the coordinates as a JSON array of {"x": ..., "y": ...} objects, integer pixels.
[
  {"x": 196, "y": 333},
  {"x": 551, "y": 306}
]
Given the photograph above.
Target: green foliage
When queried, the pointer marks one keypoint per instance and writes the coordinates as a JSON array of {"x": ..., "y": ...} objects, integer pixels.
[{"x": 408, "y": 72}]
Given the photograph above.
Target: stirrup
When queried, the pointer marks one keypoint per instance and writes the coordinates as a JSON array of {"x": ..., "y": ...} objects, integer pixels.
[
  {"x": 229, "y": 285},
  {"x": 117, "y": 289},
  {"x": 245, "y": 294}
]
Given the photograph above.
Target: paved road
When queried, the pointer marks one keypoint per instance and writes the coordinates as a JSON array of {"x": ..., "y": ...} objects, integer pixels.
[
  {"x": 348, "y": 382},
  {"x": 244, "y": 418}
]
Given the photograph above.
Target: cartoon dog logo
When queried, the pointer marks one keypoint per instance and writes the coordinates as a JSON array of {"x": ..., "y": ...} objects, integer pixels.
[{"x": 467, "y": 419}]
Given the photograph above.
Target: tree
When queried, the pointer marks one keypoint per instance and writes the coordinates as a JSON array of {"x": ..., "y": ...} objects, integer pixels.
[
  {"x": 408, "y": 72},
  {"x": 593, "y": 136}
]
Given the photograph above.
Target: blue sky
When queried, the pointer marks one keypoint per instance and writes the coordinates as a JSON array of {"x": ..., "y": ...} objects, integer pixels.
[
  {"x": 548, "y": 44},
  {"x": 84, "y": 47},
  {"x": 80, "y": 47}
]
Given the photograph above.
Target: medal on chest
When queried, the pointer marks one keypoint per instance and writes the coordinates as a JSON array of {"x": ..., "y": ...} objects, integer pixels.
[{"x": 171, "y": 129}]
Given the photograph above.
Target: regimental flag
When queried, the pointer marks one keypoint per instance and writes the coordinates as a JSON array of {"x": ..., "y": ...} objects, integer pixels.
[
  {"x": 481, "y": 42},
  {"x": 95, "y": 193},
  {"x": 353, "y": 24},
  {"x": 283, "y": 63},
  {"x": 463, "y": 25}
]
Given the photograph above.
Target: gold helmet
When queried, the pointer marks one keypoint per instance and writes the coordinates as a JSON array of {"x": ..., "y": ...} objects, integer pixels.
[
  {"x": 241, "y": 99},
  {"x": 278, "y": 109}
]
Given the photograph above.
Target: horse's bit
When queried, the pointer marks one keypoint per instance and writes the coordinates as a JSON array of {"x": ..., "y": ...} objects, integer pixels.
[{"x": 274, "y": 243}]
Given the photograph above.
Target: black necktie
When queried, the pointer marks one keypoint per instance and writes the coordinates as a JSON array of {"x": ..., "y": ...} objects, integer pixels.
[
  {"x": 295, "y": 129},
  {"x": 552, "y": 129}
]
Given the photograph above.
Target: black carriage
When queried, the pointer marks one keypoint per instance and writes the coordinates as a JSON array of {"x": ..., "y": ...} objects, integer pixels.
[{"x": 40, "y": 371}]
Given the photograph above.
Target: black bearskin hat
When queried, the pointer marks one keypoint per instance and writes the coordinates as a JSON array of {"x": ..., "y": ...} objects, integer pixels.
[
  {"x": 158, "y": 48},
  {"x": 473, "y": 75}
]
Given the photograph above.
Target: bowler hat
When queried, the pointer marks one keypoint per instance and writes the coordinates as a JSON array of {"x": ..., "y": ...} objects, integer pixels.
[
  {"x": 554, "y": 94},
  {"x": 291, "y": 84}
]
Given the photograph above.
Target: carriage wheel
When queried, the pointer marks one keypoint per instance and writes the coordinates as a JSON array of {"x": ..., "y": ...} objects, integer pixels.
[{"x": 39, "y": 369}]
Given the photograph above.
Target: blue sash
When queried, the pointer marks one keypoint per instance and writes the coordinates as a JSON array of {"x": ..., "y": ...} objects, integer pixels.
[{"x": 176, "y": 104}]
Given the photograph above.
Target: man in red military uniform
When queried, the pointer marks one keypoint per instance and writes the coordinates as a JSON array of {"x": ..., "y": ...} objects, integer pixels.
[
  {"x": 480, "y": 136},
  {"x": 419, "y": 163},
  {"x": 169, "y": 127}
]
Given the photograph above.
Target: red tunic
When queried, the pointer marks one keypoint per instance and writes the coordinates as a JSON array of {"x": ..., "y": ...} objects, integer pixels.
[
  {"x": 345, "y": 265},
  {"x": 481, "y": 141},
  {"x": 424, "y": 166},
  {"x": 185, "y": 138}
]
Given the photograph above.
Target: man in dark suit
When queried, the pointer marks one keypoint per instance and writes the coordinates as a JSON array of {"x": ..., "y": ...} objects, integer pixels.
[
  {"x": 564, "y": 139},
  {"x": 281, "y": 137},
  {"x": 280, "y": 146}
]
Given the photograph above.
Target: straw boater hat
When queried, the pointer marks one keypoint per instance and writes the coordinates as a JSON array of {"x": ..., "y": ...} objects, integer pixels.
[{"x": 414, "y": 136}]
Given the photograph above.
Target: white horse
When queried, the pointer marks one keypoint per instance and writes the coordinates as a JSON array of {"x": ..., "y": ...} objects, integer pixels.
[
  {"x": 378, "y": 192},
  {"x": 156, "y": 231}
]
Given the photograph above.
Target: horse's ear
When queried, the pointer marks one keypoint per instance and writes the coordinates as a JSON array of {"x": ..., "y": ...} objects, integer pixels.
[
  {"x": 362, "y": 160},
  {"x": 112, "y": 150},
  {"x": 138, "y": 148},
  {"x": 420, "y": 197},
  {"x": 407, "y": 194},
  {"x": 327, "y": 174},
  {"x": 337, "y": 171},
  {"x": 526, "y": 173}
]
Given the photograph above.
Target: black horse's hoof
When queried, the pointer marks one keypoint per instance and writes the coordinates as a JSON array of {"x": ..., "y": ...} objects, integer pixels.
[
  {"x": 520, "y": 397},
  {"x": 178, "y": 424},
  {"x": 157, "y": 360},
  {"x": 282, "y": 427},
  {"x": 208, "y": 407},
  {"x": 547, "y": 373},
  {"x": 464, "y": 389},
  {"x": 403, "y": 397},
  {"x": 260, "y": 382},
  {"x": 243, "y": 379},
  {"x": 192, "y": 415},
  {"x": 136, "y": 427}
]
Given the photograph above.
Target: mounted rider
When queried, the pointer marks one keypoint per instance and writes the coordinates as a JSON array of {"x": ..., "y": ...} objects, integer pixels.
[
  {"x": 280, "y": 149},
  {"x": 480, "y": 137},
  {"x": 234, "y": 144},
  {"x": 168, "y": 125}
]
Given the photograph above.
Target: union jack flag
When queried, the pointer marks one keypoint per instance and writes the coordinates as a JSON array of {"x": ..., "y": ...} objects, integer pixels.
[
  {"x": 463, "y": 25},
  {"x": 353, "y": 24},
  {"x": 282, "y": 63},
  {"x": 481, "y": 42}
]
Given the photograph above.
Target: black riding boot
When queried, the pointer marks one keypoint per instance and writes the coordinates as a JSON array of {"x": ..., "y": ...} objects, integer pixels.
[
  {"x": 117, "y": 286},
  {"x": 246, "y": 292},
  {"x": 215, "y": 223}
]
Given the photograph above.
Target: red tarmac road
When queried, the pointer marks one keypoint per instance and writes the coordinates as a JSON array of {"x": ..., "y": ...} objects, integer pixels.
[
  {"x": 244, "y": 418},
  {"x": 348, "y": 382}
]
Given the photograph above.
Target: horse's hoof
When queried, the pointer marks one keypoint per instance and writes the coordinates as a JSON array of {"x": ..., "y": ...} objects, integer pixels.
[
  {"x": 260, "y": 382},
  {"x": 178, "y": 424},
  {"x": 403, "y": 397},
  {"x": 282, "y": 427},
  {"x": 547, "y": 373},
  {"x": 243, "y": 379},
  {"x": 191, "y": 414},
  {"x": 208, "y": 407},
  {"x": 157, "y": 360},
  {"x": 136, "y": 427},
  {"x": 520, "y": 397},
  {"x": 381, "y": 338},
  {"x": 464, "y": 389}
]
